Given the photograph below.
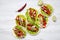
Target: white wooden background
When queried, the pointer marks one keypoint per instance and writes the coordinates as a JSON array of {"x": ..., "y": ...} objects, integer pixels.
[{"x": 8, "y": 13}]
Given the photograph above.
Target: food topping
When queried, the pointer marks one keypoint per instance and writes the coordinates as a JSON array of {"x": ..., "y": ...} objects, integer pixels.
[
  {"x": 46, "y": 10},
  {"x": 54, "y": 18},
  {"x": 22, "y": 8},
  {"x": 32, "y": 28},
  {"x": 42, "y": 20},
  {"x": 19, "y": 33},
  {"x": 32, "y": 13}
]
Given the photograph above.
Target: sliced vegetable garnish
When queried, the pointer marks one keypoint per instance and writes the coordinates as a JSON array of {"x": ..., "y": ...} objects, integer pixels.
[
  {"x": 46, "y": 10},
  {"x": 40, "y": 3},
  {"x": 32, "y": 29},
  {"x": 19, "y": 32},
  {"x": 22, "y": 8},
  {"x": 31, "y": 15},
  {"x": 42, "y": 20},
  {"x": 21, "y": 20},
  {"x": 54, "y": 18}
]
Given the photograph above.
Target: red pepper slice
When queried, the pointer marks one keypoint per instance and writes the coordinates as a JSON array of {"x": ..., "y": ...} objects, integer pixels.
[
  {"x": 44, "y": 23},
  {"x": 22, "y": 8}
]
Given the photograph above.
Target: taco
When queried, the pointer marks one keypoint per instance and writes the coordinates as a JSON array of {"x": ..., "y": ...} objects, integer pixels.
[
  {"x": 32, "y": 29},
  {"x": 31, "y": 15},
  {"x": 42, "y": 21},
  {"x": 19, "y": 32},
  {"x": 21, "y": 20},
  {"x": 46, "y": 10}
]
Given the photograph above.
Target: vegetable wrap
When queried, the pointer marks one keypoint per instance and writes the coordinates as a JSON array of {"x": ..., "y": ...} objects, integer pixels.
[
  {"x": 19, "y": 32},
  {"x": 46, "y": 10},
  {"x": 32, "y": 15},
  {"x": 21, "y": 20},
  {"x": 42, "y": 21}
]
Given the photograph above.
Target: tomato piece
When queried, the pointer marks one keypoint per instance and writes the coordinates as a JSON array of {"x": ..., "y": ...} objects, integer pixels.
[
  {"x": 40, "y": 15},
  {"x": 29, "y": 25},
  {"x": 44, "y": 23},
  {"x": 29, "y": 28}
]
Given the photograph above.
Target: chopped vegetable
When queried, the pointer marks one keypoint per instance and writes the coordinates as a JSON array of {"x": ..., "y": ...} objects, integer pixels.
[{"x": 54, "y": 18}]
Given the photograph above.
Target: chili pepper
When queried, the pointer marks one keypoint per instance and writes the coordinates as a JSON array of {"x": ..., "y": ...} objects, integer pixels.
[{"x": 22, "y": 8}]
